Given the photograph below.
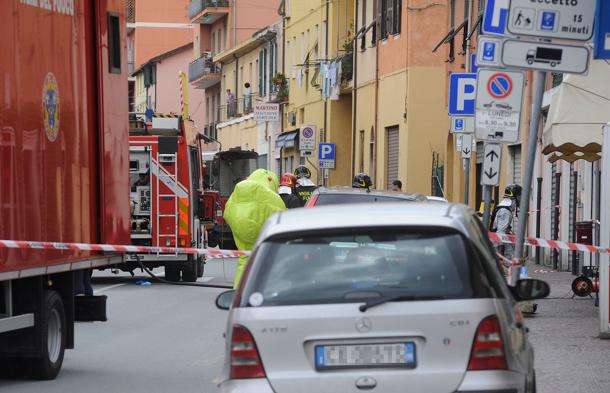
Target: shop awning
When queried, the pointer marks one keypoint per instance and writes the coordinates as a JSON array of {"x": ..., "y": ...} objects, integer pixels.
[
  {"x": 578, "y": 110},
  {"x": 287, "y": 139}
]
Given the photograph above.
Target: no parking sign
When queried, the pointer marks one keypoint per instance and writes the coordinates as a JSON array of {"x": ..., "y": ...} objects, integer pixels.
[
  {"x": 307, "y": 140},
  {"x": 498, "y": 105}
]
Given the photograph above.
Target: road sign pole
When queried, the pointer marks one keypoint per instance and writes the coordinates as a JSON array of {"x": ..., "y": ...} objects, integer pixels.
[
  {"x": 487, "y": 205},
  {"x": 529, "y": 171},
  {"x": 466, "y": 179}
]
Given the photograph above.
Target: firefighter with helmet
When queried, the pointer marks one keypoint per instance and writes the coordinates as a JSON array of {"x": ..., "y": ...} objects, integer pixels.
[
  {"x": 287, "y": 192},
  {"x": 362, "y": 180},
  {"x": 504, "y": 214},
  {"x": 304, "y": 187}
]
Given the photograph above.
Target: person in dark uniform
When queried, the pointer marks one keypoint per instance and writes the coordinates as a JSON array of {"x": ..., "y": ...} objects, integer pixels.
[{"x": 304, "y": 187}]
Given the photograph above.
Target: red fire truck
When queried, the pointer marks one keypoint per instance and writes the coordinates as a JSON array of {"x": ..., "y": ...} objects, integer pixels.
[
  {"x": 166, "y": 196},
  {"x": 63, "y": 169}
]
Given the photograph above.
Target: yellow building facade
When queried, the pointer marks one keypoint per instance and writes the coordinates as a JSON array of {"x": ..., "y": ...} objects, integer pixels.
[
  {"x": 247, "y": 76},
  {"x": 317, "y": 62},
  {"x": 401, "y": 123}
]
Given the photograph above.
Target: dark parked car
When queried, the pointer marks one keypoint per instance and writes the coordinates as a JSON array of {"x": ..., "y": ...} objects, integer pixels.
[{"x": 342, "y": 195}]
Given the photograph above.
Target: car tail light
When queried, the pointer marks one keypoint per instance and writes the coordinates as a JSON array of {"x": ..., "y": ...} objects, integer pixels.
[
  {"x": 245, "y": 360},
  {"x": 182, "y": 242},
  {"x": 312, "y": 201},
  {"x": 488, "y": 347}
]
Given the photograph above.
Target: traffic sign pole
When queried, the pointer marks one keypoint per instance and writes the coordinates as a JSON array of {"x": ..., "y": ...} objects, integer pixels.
[
  {"x": 466, "y": 178},
  {"x": 487, "y": 205},
  {"x": 529, "y": 172}
]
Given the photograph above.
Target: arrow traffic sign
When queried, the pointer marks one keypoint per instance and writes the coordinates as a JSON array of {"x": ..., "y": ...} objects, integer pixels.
[
  {"x": 466, "y": 146},
  {"x": 491, "y": 164}
]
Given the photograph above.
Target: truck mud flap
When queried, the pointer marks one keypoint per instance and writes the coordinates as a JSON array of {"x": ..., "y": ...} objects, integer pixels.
[{"x": 90, "y": 308}]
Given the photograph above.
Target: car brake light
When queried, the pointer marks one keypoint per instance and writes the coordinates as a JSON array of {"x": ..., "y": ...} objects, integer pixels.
[
  {"x": 312, "y": 201},
  {"x": 488, "y": 347},
  {"x": 245, "y": 360}
]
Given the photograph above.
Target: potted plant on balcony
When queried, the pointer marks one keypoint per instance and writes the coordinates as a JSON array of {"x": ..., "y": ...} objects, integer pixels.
[{"x": 279, "y": 91}]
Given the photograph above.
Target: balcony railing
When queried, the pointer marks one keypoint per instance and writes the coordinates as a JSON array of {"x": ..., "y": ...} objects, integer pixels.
[
  {"x": 204, "y": 72},
  {"x": 241, "y": 107},
  {"x": 196, "y": 7}
]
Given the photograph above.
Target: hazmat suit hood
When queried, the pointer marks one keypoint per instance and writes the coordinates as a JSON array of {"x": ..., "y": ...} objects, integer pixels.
[{"x": 253, "y": 200}]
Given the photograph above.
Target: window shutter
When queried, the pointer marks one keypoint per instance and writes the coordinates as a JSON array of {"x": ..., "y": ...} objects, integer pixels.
[
  {"x": 389, "y": 17},
  {"x": 261, "y": 70}
]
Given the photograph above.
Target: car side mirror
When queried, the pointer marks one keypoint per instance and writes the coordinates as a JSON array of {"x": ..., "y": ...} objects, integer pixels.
[
  {"x": 225, "y": 299},
  {"x": 531, "y": 289}
]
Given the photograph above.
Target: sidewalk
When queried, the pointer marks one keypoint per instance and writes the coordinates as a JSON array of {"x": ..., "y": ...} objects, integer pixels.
[{"x": 564, "y": 332}]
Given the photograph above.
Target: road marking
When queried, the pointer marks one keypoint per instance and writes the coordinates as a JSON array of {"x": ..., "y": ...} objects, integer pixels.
[
  {"x": 206, "y": 279},
  {"x": 109, "y": 287}
]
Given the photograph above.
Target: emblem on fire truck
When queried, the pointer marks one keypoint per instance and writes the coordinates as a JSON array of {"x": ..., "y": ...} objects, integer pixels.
[{"x": 50, "y": 106}]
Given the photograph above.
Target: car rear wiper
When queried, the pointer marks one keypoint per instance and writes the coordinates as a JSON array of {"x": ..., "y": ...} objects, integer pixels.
[{"x": 377, "y": 302}]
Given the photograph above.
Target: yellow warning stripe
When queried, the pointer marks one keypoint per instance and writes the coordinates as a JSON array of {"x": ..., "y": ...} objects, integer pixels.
[
  {"x": 166, "y": 116},
  {"x": 183, "y": 222}
]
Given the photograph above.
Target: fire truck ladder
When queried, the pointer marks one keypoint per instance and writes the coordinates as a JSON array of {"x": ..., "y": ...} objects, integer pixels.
[{"x": 171, "y": 179}]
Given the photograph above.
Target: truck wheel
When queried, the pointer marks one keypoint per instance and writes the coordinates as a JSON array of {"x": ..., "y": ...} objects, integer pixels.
[
  {"x": 200, "y": 266},
  {"x": 189, "y": 270},
  {"x": 53, "y": 329},
  {"x": 172, "y": 272}
]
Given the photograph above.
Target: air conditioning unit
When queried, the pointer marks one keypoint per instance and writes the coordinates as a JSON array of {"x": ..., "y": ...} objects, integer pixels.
[{"x": 292, "y": 118}]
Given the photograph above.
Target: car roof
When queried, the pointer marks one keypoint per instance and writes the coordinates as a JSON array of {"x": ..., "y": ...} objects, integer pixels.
[
  {"x": 363, "y": 191},
  {"x": 449, "y": 215}
]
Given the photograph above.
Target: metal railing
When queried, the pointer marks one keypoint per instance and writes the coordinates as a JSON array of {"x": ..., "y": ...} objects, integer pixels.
[
  {"x": 196, "y": 6},
  {"x": 240, "y": 107},
  {"x": 203, "y": 66}
]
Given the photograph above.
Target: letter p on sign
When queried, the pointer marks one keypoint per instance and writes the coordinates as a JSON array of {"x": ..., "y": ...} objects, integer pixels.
[{"x": 462, "y": 94}]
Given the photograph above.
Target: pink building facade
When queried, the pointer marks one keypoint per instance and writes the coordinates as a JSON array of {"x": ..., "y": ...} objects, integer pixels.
[{"x": 168, "y": 83}]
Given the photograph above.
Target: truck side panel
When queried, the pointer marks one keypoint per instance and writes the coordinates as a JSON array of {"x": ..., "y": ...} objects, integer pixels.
[
  {"x": 114, "y": 143},
  {"x": 50, "y": 147}
]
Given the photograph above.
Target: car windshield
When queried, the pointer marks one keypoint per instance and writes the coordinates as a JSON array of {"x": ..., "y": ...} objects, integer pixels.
[
  {"x": 362, "y": 265},
  {"x": 335, "y": 199}
]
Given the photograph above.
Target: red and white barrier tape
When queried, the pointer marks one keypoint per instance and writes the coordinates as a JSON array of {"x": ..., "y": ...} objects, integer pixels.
[
  {"x": 499, "y": 238},
  {"x": 208, "y": 252}
]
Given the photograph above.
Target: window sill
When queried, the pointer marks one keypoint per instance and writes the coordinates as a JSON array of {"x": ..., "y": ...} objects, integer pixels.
[
  {"x": 396, "y": 37},
  {"x": 384, "y": 41}
]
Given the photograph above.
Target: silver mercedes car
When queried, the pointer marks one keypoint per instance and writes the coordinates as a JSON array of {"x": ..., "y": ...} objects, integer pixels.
[{"x": 377, "y": 297}]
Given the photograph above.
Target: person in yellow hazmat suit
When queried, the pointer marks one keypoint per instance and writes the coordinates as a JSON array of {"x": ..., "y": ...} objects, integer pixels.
[{"x": 253, "y": 200}]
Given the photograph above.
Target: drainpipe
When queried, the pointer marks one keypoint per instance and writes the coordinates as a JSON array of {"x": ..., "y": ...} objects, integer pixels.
[
  {"x": 234, "y": 23},
  {"x": 376, "y": 129},
  {"x": 355, "y": 92},
  {"x": 324, "y": 179},
  {"x": 236, "y": 83},
  {"x": 538, "y": 218}
]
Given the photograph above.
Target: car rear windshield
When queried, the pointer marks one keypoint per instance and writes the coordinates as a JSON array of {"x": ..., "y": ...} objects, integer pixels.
[
  {"x": 336, "y": 199},
  {"x": 363, "y": 265}
]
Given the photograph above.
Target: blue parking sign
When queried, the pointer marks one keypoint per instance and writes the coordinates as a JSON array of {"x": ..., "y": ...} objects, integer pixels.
[
  {"x": 462, "y": 94},
  {"x": 326, "y": 155},
  {"x": 459, "y": 124},
  {"x": 495, "y": 17},
  {"x": 489, "y": 51},
  {"x": 601, "y": 46},
  {"x": 547, "y": 21}
]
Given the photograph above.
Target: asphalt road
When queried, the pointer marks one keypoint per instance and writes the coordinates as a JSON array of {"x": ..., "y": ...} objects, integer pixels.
[
  {"x": 159, "y": 338},
  {"x": 164, "y": 338}
]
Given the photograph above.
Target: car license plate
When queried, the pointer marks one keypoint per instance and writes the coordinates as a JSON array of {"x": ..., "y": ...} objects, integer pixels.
[{"x": 366, "y": 355}]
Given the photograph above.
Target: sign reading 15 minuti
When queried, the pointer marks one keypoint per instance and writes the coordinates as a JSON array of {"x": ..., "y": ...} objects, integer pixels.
[{"x": 564, "y": 19}]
